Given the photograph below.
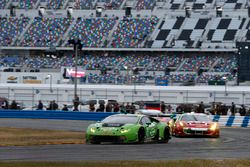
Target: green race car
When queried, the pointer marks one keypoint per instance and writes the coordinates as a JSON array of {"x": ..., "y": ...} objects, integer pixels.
[{"x": 127, "y": 128}]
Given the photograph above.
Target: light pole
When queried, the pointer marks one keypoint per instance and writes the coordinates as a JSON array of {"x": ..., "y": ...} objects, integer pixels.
[
  {"x": 225, "y": 80},
  {"x": 49, "y": 76},
  {"x": 75, "y": 79},
  {"x": 134, "y": 92},
  {"x": 77, "y": 45}
]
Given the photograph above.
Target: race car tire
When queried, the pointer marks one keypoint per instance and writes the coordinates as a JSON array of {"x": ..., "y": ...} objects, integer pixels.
[
  {"x": 166, "y": 136},
  {"x": 141, "y": 136}
]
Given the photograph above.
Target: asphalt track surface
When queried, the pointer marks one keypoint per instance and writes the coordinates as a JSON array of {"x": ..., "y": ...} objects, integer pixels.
[{"x": 233, "y": 144}]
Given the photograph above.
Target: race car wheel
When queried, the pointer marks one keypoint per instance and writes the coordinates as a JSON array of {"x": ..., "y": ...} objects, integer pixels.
[
  {"x": 141, "y": 135},
  {"x": 166, "y": 135}
]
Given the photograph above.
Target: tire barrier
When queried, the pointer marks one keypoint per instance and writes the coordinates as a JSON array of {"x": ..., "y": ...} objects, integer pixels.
[
  {"x": 63, "y": 115},
  {"x": 232, "y": 121}
]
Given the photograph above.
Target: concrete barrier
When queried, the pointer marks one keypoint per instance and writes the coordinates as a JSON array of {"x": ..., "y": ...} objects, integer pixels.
[
  {"x": 63, "y": 115},
  {"x": 232, "y": 121},
  {"x": 229, "y": 121}
]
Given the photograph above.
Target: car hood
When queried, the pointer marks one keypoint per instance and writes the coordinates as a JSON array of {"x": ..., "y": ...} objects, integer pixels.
[
  {"x": 198, "y": 124},
  {"x": 114, "y": 125}
]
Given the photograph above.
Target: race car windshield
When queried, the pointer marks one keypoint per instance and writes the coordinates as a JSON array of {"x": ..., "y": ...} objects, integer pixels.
[
  {"x": 202, "y": 118},
  {"x": 121, "y": 119},
  {"x": 152, "y": 113}
]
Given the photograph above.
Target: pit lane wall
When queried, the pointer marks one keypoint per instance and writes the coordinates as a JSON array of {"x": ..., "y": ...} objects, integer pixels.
[{"x": 228, "y": 121}]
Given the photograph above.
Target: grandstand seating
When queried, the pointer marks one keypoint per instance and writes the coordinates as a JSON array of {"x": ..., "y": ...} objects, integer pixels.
[
  {"x": 145, "y": 4},
  {"x": 109, "y": 4},
  {"x": 3, "y": 4},
  {"x": 45, "y": 31},
  {"x": 185, "y": 66},
  {"x": 92, "y": 31},
  {"x": 131, "y": 32},
  {"x": 10, "y": 28},
  {"x": 146, "y": 30},
  {"x": 26, "y": 4},
  {"x": 139, "y": 5},
  {"x": 82, "y": 4},
  {"x": 161, "y": 62},
  {"x": 194, "y": 63},
  {"x": 136, "y": 32}
]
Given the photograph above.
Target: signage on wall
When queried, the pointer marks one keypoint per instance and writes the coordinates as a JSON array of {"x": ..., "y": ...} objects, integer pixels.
[
  {"x": 70, "y": 72},
  {"x": 12, "y": 79}
]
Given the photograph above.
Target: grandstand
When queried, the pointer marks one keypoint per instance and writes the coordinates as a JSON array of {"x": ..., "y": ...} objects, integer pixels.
[{"x": 131, "y": 42}]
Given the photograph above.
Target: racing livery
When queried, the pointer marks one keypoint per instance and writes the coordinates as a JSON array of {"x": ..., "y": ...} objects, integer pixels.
[
  {"x": 195, "y": 124},
  {"x": 127, "y": 128}
]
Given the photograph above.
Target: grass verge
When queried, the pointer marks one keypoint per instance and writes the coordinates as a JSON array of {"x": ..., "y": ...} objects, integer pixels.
[
  {"x": 179, "y": 163},
  {"x": 29, "y": 137}
]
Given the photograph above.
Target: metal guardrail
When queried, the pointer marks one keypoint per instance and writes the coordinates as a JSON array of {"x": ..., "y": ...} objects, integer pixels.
[{"x": 228, "y": 121}]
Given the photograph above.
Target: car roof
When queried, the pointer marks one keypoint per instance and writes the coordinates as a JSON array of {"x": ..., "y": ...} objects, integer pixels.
[
  {"x": 148, "y": 111},
  {"x": 193, "y": 113},
  {"x": 128, "y": 115}
]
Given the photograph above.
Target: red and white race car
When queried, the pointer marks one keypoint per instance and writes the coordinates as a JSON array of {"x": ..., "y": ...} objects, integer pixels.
[{"x": 195, "y": 124}]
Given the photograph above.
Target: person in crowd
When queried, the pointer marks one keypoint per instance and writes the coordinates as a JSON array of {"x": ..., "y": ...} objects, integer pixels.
[
  {"x": 76, "y": 103},
  {"x": 13, "y": 105},
  {"x": 248, "y": 112},
  {"x": 40, "y": 105},
  {"x": 123, "y": 108},
  {"x": 92, "y": 107},
  {"x": 128, "y": 108},
  {"x": 5, "y": 104},
  {"x": 133, "y": 108},
  {"x": 202, "y": 107},
  {"x": 242, "y": 110},
  {"x": 224, "y": 109},
  {"x": 50, "y": 106},
  {"x": 116, "y": 107},
  {"x": 53, "y": 105},
  {"x": 179, "y": 109},
  {"x": 163, "y": 107},
  {"x": 109, "y": 107},
  {"x": 101, "y": 108},
  {"x": 219, "y": 109},
  {"x": 141, "y": 105},
  {"x": 213, "y": 108},
  {"x": 65, "y": 107},
  {"x": 169, "y": 108},
  {"x": 232, "y": 109}
]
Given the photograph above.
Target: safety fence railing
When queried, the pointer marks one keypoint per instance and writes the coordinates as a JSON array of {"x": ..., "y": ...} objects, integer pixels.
[{"x": 27, "y": 95}]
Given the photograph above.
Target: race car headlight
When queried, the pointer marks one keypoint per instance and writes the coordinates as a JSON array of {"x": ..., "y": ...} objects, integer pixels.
[
  {"x": 182, "y": 124},
  {"x": 213, "y": 126},
  {"x": 124, "y": 130},
  {"x": 92, "y": 130}
]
